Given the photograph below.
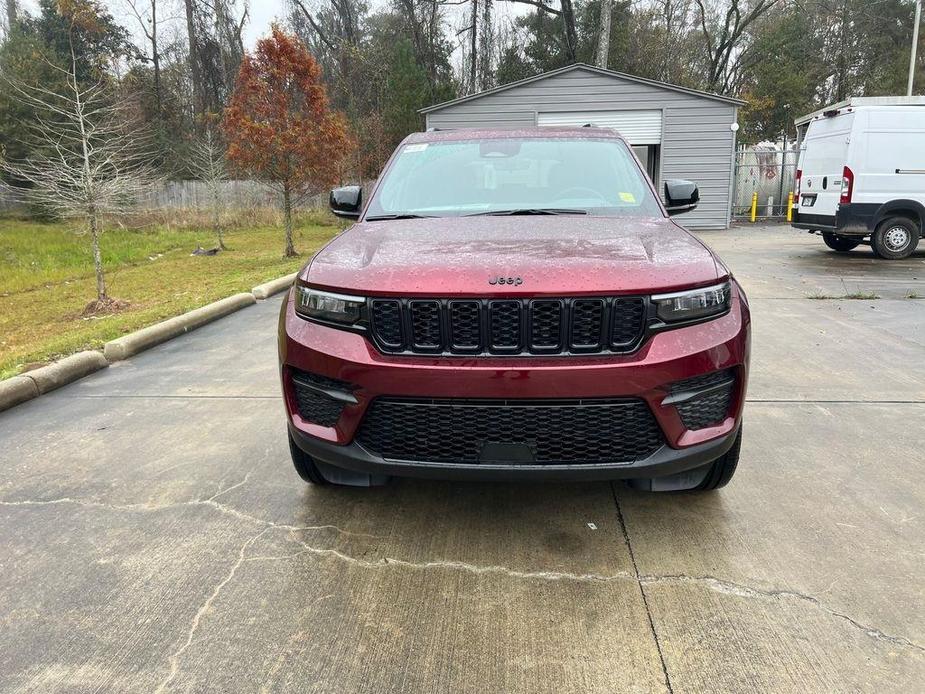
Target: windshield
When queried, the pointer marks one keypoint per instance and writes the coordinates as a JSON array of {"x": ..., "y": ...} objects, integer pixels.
[{"x": 533, "y": 175}]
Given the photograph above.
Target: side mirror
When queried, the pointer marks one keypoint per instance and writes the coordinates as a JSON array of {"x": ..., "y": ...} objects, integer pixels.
[
  {"x": 346, "y": 201},
  {"x": 680, "y": 196}
]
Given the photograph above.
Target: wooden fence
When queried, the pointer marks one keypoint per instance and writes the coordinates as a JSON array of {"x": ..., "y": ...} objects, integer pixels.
[{"x": 172, "y": 195}]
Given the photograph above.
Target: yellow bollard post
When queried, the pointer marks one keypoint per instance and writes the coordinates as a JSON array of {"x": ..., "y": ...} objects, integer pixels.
[
  {"x": 754, "y": 205},
  {"x": 790, "y": 207}
]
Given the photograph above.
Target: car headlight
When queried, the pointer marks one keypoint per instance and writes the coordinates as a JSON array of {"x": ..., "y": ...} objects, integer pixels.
[
  {"x": 693, "y": 304},
  {"x": 328, "y": 306}
]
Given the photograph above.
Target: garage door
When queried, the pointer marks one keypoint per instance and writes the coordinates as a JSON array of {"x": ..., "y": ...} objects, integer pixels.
[{"x": 638, "y": 127}]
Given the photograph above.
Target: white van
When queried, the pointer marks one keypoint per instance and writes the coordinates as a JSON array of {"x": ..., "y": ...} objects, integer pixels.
[{"x": 861, "y": 175}]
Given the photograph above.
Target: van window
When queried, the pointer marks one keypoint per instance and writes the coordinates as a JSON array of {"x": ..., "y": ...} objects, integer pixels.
[{"x": 827, "y": 145}]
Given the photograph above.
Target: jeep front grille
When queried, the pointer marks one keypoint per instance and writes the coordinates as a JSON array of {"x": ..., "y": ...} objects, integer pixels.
[
  {"x": 508, "y": 326},
  {"x": 593, "y": 431}
]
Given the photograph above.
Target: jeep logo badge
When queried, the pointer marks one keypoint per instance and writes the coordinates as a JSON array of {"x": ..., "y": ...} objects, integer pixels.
[{"x": 506, "y": 280}]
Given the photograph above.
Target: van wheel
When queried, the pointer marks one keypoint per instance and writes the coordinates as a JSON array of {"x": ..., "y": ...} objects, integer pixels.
[
  {"x": 842, "y": 244},
  {"x": 895, "y": 238}
]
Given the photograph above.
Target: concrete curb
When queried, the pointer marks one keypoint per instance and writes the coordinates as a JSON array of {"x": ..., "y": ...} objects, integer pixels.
[
  {"x": 16, "y": 390},
  {"x": 140, "y": 340},
  {"x": 268, "y": 289},
  {"x": 31, "y": 384},
  {"x": 64, "y": 371}
]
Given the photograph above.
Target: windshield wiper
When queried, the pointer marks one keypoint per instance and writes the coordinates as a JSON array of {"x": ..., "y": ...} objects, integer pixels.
[
  {"x": 404, "y": 215},
  {"x": 529, "y": 211}
]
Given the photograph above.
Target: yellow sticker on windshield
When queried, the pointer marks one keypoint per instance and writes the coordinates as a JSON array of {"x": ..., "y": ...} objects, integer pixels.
[{"x": 627, "y": 197}]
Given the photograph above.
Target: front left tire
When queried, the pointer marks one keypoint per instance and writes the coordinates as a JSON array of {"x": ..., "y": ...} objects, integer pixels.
[
  {"x": 305, "y": 465},
  {"x": 723, "y": 468}
]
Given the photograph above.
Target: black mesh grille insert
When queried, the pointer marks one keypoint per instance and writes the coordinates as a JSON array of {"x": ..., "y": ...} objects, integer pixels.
[
  {"x": 586, "y": 322},
  {"x": 709, "y": 407},
  {"x": 509, "y": 326},
  {"x": 313, "y": 405},
  {"x": 505, "y": 324},
  {"x": 554, "y": 432},
  {"x": 465, "y": 325},
  {"x": 386, "y": 316},
  {"x": 626, "y": 321},
  {"x": 545, "y": 324},
  {"x": 425, "y": 324}
]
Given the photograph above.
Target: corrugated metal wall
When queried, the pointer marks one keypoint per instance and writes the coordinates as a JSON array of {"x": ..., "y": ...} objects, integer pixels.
[{"x": 697, "y": 142}]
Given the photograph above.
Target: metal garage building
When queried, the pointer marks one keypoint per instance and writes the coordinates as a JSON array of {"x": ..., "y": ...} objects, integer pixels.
[{"x": 676, "y": 132}]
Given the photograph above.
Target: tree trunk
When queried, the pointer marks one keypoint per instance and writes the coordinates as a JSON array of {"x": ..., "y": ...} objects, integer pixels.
[
  {"x": 474, "y": 49},
  {"x": 156, "y": 59},
  {"x": 97, "y": 258},
  {"x": 216, "y": 222},
  {"x": 196, "y": 74},
  {"x": 603, "y": 43},
  {"x": 485, "y": 44},
  {"x": 287, "y": 221},
  {"x": 11, "y": 13},
  {"x": 571, "y": 34}
]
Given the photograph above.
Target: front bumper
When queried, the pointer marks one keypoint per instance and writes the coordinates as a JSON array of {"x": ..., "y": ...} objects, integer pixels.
[
  {"x": 665, "y": 461},
  {"x": 666, "y": 357}
]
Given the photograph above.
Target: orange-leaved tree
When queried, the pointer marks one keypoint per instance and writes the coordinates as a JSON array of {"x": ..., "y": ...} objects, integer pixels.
[{"x": 278, "y": 124}]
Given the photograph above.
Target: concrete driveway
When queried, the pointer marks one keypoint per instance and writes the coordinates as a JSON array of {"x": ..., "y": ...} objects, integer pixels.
[{"x": 154, "y": 537}]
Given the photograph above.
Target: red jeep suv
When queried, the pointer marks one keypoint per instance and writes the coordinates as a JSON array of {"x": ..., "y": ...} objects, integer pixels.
[{"x": 515, "y": 305}]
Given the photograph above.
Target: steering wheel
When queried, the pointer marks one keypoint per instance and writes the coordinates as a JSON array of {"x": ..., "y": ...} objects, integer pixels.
[{"x": 580, "y": 189}]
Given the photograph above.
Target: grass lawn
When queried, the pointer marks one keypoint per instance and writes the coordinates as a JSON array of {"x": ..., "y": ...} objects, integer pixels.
[{"x": 46, "y": 280}]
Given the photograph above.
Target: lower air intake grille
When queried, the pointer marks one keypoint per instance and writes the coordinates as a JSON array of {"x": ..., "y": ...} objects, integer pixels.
[
  {"x": 711, "y": 396},
  {"x": 533, "y": 432},
  {"x": 314, "y": 406}
]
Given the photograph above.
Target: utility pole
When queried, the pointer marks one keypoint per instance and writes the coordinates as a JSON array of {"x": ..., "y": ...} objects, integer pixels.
[
  {"x": 603, "y": 45},
  {"x": 915, "y": 45}
]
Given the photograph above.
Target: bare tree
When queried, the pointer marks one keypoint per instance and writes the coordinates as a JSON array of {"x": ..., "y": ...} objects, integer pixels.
[
  {"x": 723, "y": 34},
  {"x": 88, "y": 163},
  {"x": 147, "y": 20},
  {"x": 207, "y": 161},
  {"x": 566, "y": 12}
]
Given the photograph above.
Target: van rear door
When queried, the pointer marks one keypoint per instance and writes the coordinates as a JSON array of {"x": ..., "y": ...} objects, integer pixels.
[{"x": 824, "y": 156}]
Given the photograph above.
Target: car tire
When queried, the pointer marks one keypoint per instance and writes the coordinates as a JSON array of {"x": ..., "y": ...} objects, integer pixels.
[
  {"x": 895, "y": 238},
  {"x": 305, "y": 465},
  {"x": 842, "y": 244},
  {"x": 723, "y": 468}
]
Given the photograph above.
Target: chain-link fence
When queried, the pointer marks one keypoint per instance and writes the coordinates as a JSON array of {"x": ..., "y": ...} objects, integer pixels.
[{"x": 767, "y": 171}]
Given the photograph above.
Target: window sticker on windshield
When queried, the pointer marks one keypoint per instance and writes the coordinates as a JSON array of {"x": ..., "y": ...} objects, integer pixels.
[
  {"x": 627, "y": 197},
  {"x": 419, "y": 147}
]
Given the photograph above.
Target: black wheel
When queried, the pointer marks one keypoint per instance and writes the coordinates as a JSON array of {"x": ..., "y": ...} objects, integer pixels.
[
  {"x": 723, "y": 468},
  {"x": 304, "y": 464},
  {"x": 895, "y": 238},
  {"x": 842, "y": 244}
]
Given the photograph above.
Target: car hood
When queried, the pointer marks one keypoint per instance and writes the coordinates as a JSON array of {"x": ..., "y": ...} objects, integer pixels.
[{"x": 553, "y": 255}]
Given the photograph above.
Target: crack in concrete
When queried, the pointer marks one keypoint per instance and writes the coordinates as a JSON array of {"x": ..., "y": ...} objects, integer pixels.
[
  {"x": 474, "y": 569},
  {"x": 745, "y": 591},
  {"x": 642, "y": 590},
  {"x": 174, "y": 659},
  {"x": 222, "y": 508},
  {"x": 220, "y": 492},
  {"x": 711, "y": 582}
]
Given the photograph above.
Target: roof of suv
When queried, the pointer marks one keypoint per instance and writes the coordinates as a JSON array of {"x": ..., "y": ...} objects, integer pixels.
[{"x": 498, "y": 133}]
